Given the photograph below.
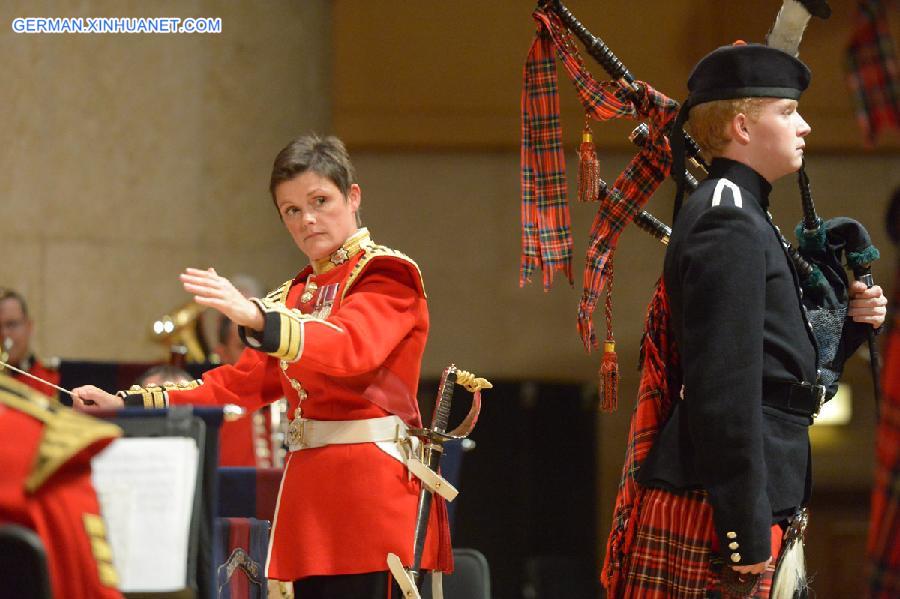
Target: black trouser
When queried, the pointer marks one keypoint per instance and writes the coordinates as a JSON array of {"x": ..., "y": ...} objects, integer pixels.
[{"x": 371, "y": 585}]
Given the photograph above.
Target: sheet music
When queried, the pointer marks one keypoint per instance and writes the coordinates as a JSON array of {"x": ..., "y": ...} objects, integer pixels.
[{"x": 146, "y": 492}]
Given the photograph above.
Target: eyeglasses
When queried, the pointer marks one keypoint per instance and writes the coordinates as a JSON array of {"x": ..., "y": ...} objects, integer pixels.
[{"x": 11, "y": 325}]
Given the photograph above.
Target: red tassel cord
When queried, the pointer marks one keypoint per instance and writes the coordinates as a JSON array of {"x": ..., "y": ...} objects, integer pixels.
[
  {"x": 609, "y": 365},
  {"x": 588, "y": 167}
]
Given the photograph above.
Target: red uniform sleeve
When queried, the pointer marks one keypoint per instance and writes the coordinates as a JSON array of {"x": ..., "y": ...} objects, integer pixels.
[
  {"x": 65, "y": 514},
  {"x": 250, "y": 383},
  {"x": 378, "y": 312}
]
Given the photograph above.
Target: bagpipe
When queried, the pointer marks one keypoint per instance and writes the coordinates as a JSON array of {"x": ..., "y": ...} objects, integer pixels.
[{"x": 825, "y": 249}]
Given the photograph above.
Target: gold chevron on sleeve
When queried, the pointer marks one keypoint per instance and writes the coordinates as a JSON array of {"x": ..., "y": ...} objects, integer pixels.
[{"x": 96, "y": 531}]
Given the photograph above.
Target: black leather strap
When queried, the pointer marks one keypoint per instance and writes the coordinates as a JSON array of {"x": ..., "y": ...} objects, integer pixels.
[{"x": 798, "y": 398}]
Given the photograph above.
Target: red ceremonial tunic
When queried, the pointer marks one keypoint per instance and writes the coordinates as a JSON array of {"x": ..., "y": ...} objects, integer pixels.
[
  {"x": 239, "y": 441},
  {"x": 55, "y": 498},
  {"x": 343, "y": 343},
  {"x": 34, "y": 366}
]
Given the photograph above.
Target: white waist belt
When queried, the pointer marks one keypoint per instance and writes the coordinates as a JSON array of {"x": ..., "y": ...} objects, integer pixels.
[
  {"x": 309, "y": 434},
  {"x": 389, "y": 433}
]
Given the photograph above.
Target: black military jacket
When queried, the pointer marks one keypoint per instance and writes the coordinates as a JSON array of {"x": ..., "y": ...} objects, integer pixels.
[{"x": 738, "y": 321}]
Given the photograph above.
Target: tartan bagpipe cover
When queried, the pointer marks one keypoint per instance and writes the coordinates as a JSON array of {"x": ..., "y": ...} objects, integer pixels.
[
  {"x": 240, "y": 556},
  {"x": 546, "y": 228}
]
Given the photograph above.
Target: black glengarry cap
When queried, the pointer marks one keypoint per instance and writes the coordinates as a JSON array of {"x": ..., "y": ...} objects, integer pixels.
[{"x": 747, "y": 70}]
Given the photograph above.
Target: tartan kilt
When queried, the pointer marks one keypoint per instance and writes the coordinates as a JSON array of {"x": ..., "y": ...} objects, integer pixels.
[{"x": 675, "y": 550}]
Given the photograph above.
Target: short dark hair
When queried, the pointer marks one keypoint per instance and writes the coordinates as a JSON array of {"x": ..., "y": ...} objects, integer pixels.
[
  {"x": 327, "y": 157},
  {"x": 6, "y": 294}
]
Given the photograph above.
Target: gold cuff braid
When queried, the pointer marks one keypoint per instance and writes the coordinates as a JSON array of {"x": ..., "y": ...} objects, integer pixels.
[{"x": 156, "y": 396}]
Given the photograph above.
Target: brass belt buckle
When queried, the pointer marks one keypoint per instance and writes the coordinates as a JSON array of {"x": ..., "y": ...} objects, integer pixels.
[{"x": 297, "y": 434}]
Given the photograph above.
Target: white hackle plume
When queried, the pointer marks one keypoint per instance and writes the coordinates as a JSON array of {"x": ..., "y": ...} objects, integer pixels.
[{"x": 789, "y": 26}]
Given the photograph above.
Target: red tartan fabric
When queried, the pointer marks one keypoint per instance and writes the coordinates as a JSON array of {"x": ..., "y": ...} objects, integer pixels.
[
  {"x": 675, "y": 555},
  {"x": 872, "y": 71},
  {"x": 546, "y": 235},
  {"x": 654, "y": 402},
  {"x": 883, "y": 547},
  {"x": 633, "y": 187}
]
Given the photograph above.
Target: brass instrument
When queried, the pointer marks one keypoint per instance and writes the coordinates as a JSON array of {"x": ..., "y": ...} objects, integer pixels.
[{"x": 179, "y": 332}]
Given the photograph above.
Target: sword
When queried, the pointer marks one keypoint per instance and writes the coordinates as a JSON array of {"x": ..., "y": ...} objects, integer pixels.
[
  {"x": 433, "y": 452},
  {"x": 433, "y": 439}
]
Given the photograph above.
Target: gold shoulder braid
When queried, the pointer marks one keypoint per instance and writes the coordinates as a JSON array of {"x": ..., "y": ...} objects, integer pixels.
[
  {"x": 379, "y": 251},
  {"x": 280, "y": 294},
  {"x": 66, "y": 433}
]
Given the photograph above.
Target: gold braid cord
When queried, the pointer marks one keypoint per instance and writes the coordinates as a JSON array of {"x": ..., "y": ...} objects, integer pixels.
[
  {"x": 473, "y": 385},
  {"x": 471, "y": 382}
]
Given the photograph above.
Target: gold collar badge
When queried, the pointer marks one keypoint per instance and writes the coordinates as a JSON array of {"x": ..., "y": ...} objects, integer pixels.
[{"x": 354, "y": 244}]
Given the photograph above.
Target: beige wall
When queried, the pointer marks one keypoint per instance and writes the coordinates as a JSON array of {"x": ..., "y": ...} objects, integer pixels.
[
  {"x": 449, "y": 74},
  {"x": 128, "y": 157}
]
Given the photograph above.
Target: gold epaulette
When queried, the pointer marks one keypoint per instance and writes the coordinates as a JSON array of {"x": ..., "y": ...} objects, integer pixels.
[
  {"x": 372, "y": 252},
  {"x": 157, "y": 396},
  {"x": 66, "y": 432},
  {"x": 280, "y": 294}
]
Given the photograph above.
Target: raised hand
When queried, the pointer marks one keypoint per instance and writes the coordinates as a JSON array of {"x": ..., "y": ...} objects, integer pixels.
[{"x": 217, "y": 292}]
